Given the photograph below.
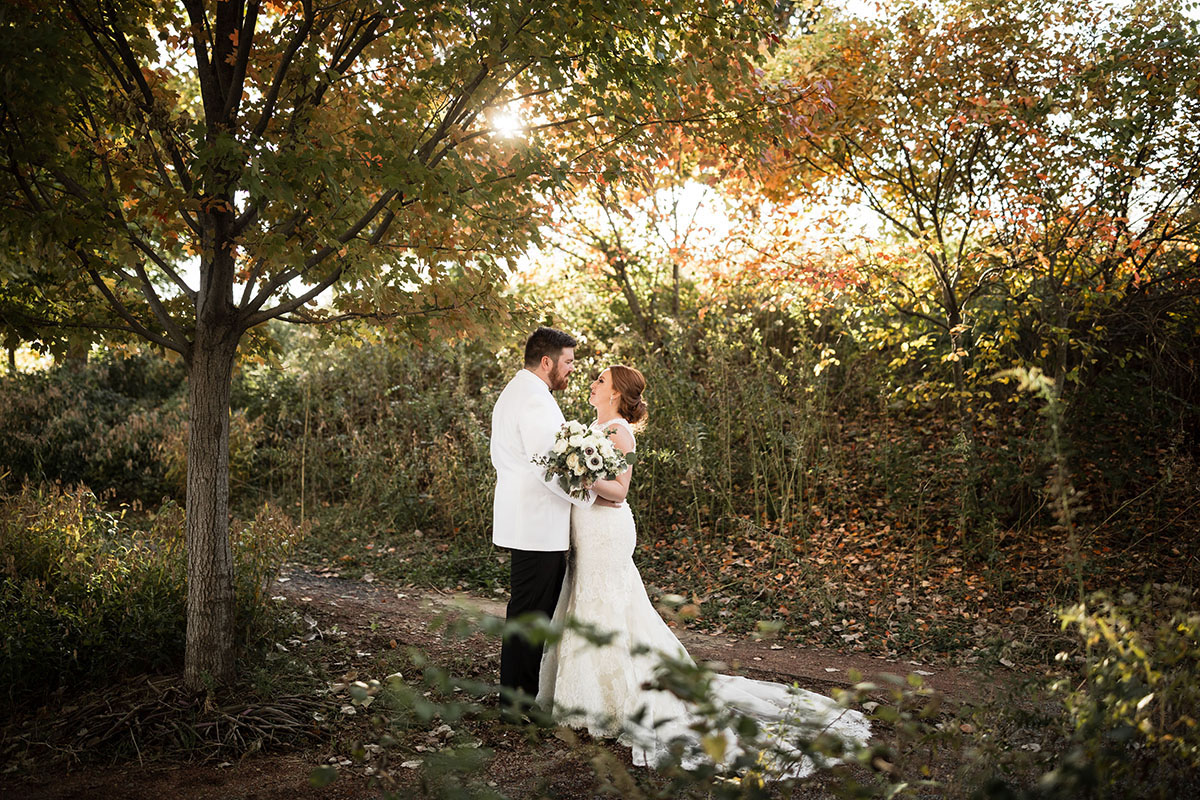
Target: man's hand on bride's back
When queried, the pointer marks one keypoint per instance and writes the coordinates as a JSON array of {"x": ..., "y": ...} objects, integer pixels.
[{"x": 602, "y": 502}]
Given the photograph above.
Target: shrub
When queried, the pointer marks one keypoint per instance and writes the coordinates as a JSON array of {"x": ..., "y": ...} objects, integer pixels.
[
  {"x": 85, "y": 596},
  {"x": 101, "y": 424},
  {"x": 259, "y": 549},
  {"x": 395, "y": 432},
  {"x": 82, "y": 596}
]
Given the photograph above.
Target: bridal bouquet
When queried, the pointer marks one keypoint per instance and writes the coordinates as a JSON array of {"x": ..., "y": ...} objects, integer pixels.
[{"x": 581, "y": 456}]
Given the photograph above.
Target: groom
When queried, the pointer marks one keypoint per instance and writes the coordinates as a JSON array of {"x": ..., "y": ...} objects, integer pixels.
[{"x": 531, "y": 516}]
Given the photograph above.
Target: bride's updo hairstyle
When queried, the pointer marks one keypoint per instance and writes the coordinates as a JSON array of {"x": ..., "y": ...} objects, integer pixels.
[{"x": 630, "y": 384}]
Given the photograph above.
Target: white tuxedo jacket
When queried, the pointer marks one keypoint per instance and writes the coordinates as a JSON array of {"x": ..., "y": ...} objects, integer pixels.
[{"x": 528, "y": 512}]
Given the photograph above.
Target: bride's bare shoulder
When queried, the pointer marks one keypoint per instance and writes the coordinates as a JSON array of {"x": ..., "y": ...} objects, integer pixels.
[{"x": 621, "y": 436}]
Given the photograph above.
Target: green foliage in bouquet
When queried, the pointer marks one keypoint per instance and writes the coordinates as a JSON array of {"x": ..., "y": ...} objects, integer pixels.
[{"x": 581, "y": 456}]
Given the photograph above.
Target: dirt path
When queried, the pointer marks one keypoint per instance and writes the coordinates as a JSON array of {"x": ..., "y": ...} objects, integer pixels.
[
  {"x": 407, "y": 612},
  {"x": 372, "y": 615}
]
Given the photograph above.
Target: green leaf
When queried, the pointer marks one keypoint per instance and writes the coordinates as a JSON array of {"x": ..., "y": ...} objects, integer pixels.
[
  {"x": 322, "y": 776},
  {"x": 887, "y": 714}
]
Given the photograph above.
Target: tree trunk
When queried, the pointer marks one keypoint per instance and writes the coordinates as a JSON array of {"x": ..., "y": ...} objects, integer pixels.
[{"x": 210, "y": 599}]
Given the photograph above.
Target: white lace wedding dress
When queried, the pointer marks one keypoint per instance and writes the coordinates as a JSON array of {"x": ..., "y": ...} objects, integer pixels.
[{"x": 600, "y": 688}]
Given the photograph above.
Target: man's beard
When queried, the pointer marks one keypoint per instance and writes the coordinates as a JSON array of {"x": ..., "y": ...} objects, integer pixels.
[{"x": 558, "y": 380}]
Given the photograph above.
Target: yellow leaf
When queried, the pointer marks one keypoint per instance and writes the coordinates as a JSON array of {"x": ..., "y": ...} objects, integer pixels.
[{"x": 714, "y": 746}]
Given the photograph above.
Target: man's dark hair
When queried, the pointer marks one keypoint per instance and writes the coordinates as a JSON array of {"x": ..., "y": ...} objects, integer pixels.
[{"x": 546, "y": 342}]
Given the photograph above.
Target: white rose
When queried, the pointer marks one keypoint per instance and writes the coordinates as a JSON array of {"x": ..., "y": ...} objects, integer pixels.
[
  {"x": 573, "y": 461},
  {"x": 560, "y": 446},
  {"x": 576, "y": 441}
]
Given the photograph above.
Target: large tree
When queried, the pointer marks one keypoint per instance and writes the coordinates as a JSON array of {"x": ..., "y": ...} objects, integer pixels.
[
  {"x": 1022, "y": 153},
  {"x": 186, "y": 171}
]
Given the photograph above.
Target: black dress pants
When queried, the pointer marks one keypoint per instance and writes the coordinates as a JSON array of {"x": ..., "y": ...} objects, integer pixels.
[{"x": 536, "y": 579}]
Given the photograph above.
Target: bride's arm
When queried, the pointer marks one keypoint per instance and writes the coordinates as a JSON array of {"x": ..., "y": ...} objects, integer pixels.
[{"x": 616, "y": 489}]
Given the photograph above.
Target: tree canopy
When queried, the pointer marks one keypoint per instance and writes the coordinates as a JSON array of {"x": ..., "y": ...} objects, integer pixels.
[
  {"x": 1034, "y": 164},
  {"x": 186, "y": 171}
]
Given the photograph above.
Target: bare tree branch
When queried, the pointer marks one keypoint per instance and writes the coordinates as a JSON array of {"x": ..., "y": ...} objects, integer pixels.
[
  {"x": 385, "y": 316},
  {"x": 164, "y": 317},
  {"x": 316, "y": 258},
  {"x": 164, "y": 265},
  {"x": 241, "y": 58},
  {"x": 210, "y": 91},
  {"x": 285, "y": 63},
  {"x": 123, "y": 312},
  {"x": 288, "y": 306}
]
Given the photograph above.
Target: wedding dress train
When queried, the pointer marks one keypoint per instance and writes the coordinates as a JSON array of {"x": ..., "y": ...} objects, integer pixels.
[{"x": 600, "y": 688}]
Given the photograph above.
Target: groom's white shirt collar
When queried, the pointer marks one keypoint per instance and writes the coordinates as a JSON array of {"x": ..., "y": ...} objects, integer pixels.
[{"x": 534, "y": 376}]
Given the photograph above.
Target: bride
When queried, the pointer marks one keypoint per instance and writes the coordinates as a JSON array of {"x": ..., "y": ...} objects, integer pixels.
[{"x": 605, "y": 689}]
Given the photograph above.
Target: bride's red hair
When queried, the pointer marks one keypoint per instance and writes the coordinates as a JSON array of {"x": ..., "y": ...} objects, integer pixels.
[{"x": 630, "y": 384}]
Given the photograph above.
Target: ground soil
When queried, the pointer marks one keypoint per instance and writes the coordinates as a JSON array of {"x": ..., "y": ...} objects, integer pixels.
[{"x": 378, "y": 614}]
